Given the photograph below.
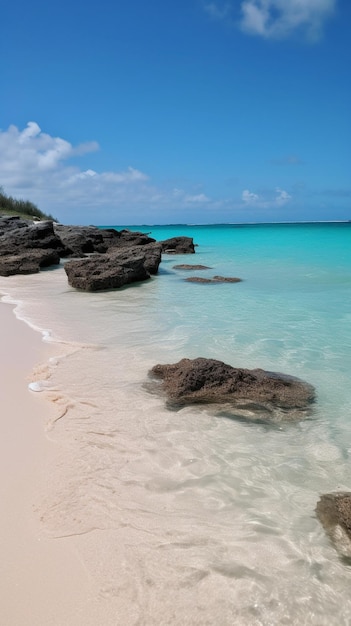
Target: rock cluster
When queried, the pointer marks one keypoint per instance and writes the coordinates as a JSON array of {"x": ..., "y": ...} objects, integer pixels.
[{"x": 103, "y": 258}]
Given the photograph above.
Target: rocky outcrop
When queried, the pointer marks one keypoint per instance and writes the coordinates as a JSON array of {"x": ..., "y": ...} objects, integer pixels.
[
  {"x": 334, "y": 512},
  {"x": 114, "y": 269},
  {"x": 26, "y": 246},
  {"x": 178, "y": 245},
  {"x": 210, "y": 381},
  {"x": 215, "y": 279}
]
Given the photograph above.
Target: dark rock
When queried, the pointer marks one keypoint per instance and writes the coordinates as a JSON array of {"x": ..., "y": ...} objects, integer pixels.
[
  {"x": 8, "y": 223},
  {"x": 226, "y": 279},
  {"x": 210, "y": 381},
  {"x": 215, "y": 279},
  {"x": 81, "y": 240},
  {"x": 198, "y": 279},
  {"x": 178, "y": 245},
  {"x": 113, "y": 269},
  {"x": 129, "y": 238},
  {"x": 27, "y": 262},
  {"x": 153, "y": 256},
  {"x": 334, "y": 512},
  {"x": 185, "y": 266},
  {"x": 17, "y": 235},
  {"x": 26, "y": 246}
]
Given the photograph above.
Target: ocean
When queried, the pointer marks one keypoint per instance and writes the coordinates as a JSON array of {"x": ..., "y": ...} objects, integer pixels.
[{"x": 187, "y": 517}]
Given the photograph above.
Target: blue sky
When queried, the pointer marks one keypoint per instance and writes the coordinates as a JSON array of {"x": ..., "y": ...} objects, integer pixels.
[{"x": 173, "y": 112}]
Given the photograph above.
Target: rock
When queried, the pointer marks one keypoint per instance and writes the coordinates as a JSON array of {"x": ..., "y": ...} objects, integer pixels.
[
  {"x": 198, "y": 279},
  {"x": 28, "y": 262},
  {"x": 185, "y": 266},
  {"x": 210, "y": 381},
  {"x": 129, "y": 238},
  {"x": 215, "y": 279},
  {"x": 178, "y": 245},
  {"x": 153, "y": 256},
  {"x": 226, "y": 279},
  {"x": 26, "y": 246},
  {"x": 113, "y": 269},
  {"x": 81, "y": 240},
  {"x": 8, "y": 223},
  {"x": 17, "y": 235},
  {"x": 334, "y": 512}
]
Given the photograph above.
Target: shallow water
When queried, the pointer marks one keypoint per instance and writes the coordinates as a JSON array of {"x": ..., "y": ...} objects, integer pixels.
[{"x": 185, "y": 517}]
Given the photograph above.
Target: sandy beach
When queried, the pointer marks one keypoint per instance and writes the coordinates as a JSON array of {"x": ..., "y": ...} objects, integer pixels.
[{"x": 42, "y": 579}]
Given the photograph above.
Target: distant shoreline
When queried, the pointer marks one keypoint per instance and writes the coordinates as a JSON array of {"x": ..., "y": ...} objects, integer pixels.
[{"x": 303, "y": 223}]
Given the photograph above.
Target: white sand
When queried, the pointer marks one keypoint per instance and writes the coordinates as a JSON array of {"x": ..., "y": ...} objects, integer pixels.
[{"x": 43, "y": 581}]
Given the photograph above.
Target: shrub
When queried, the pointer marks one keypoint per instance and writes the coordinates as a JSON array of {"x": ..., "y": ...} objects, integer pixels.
[{"x": 25, "y": 207}]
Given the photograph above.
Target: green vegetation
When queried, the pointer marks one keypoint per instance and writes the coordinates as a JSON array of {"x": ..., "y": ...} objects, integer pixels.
[{"x": 23, "y": 208}]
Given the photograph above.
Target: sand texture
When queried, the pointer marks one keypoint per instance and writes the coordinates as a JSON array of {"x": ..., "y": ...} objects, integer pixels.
[{"x": 43, "y": 581}]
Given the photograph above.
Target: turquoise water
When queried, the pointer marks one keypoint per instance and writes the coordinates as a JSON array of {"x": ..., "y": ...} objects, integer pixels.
[{"x": 186, "y": 517}]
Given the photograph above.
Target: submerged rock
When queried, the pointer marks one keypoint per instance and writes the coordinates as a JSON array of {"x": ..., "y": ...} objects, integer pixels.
[
  {"x": 198, "y": 279},
  {"x": 227, "y": 279},
  {"x": 204, "y": 381},
  {"x": 334, "y": 512},
  {"x": 178, "y": 245},
  {"x": 214, "y": 280},
  {"x": 186, "y": 266}
]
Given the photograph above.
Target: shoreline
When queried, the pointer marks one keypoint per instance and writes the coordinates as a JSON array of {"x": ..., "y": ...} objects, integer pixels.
[{"x": 43, "y": 580}]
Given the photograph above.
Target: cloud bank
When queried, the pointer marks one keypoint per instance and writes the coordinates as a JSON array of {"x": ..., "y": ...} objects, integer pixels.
[{"x": 39, "y": 167}]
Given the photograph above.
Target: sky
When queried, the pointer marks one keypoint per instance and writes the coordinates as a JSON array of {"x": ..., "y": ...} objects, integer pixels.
[{"x": 183, "y": 111}]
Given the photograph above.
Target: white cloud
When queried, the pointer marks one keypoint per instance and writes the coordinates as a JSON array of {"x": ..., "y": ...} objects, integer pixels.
[
  {"x": 279, "y": 198},
  {"x": 249, "y": 198},
  {"x": 282, "y": 197},
  {"x": 38, "y": 167},
  {"x": 280, "y": 18},
  {"x": 30, "y": 152}
]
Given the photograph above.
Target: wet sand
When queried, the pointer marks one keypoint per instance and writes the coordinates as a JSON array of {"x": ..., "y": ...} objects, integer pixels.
[{"x": 43, "y": 581}]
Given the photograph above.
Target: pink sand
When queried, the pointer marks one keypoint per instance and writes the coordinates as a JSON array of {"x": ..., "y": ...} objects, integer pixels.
[{"x": 43, "y": 581}]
